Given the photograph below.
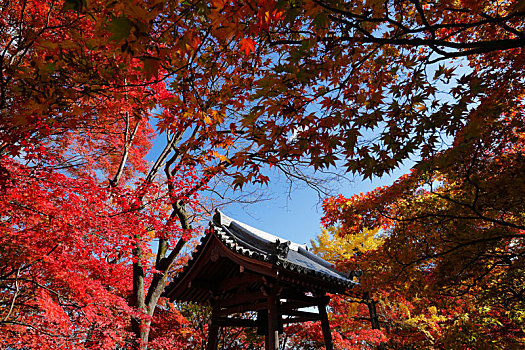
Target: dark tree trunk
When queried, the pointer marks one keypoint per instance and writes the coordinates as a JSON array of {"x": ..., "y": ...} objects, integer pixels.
[{"x": 374, "y": 318}]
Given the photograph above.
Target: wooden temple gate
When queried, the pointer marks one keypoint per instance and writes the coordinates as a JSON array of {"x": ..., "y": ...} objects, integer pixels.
[{"x": 238, "y": 268}]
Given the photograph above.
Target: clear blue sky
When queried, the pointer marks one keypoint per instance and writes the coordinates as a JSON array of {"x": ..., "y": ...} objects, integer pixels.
[
  {"x": 298, "y": 217},
  {"x": 293, "y": 215}
]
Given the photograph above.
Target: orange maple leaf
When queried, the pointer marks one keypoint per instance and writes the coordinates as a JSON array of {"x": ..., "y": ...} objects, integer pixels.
[{"x": 247, "y": 45}]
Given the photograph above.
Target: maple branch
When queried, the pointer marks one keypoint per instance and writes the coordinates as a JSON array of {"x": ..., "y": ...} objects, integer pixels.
[
  {"x": 366, "y": 18},
  {"x": 40, "y": 285},
  {"x": 15, "y": 295},
  {"x": 405, "y": 35},
  {"x": 164, "y": 264},
  {"x": 477, "y": 212},
  {"x": 502, "y": 24},
  {"x": 469, "y": 48},
  {"x": 127, "y": 146},
  {"x": 147, "y": 302},
  {"x": 478, "y": 216},
  {"x": 161, "y": 251},
  {"x": 162, "y": 157},
  {"x": 465, "y": 285},
  {"x": 40, "y": 330},
  {"x": 458, "y": 246},
  {"x": 293, "y": 173},
  {"x": 137, "y": 298},
  {"x": 421, "y": 13}
]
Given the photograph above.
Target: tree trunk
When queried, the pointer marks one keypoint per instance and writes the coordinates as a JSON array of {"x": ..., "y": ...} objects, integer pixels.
[
  {"x": 148, "y": 303},
  {"x": 139, "y": 326},
  {"x": 374, "y": 318}
]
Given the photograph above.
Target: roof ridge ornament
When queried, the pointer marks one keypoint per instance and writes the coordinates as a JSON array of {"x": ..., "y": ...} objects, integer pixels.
[{"x": 281, "y": 250}]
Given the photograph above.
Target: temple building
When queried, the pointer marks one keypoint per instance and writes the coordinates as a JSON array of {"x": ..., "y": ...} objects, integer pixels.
[{"x": 238, "y": 268}]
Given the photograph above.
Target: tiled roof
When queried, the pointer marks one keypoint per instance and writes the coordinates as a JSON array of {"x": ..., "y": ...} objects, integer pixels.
[{"x": 256, "y": 244}]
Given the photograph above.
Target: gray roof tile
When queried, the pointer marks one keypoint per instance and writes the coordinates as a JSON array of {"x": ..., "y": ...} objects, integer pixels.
[{"x": 254, "y": 243}]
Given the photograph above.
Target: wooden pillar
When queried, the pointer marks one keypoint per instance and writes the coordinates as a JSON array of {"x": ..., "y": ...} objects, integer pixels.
[
  {"x": 213, "y": 330},
  {"x": 327, "y": 335},
  {"x": 272, "y": 338}
]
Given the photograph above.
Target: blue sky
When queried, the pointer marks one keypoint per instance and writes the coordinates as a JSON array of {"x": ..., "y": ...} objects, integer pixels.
[
  {"x": 291, "y": 214},
  {"x": 297, "y": 217}
]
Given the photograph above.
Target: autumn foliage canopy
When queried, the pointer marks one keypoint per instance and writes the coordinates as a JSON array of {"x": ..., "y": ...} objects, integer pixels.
[{"x": 94, "y": 223}]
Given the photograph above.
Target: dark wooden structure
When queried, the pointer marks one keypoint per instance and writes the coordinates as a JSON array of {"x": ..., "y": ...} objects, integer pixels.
[{"x": 238, "y": 268}]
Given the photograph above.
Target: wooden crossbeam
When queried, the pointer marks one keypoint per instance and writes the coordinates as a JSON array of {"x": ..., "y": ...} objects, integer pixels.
[
  {"x": 239, "y": 281},
  {"x": 240, "y": 299},
  {"x": 243, "y": 308},
  {"x": 299, "y": 319},
  {"x": 297, "y": 304},
  {"x": 298, "y": 296},
  {"x": 236, "y": 322},
  {"x": 300, "y": 313},
  {"x": 201, "y": 285}
]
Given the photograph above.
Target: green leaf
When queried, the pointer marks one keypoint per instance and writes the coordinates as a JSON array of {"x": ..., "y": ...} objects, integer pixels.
[
  {"x": 320, "y": 20},
  {"x": 77, "y": 5},
  {"x": 120, "y": 27},
  {"x": 151, "y": 67}
]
